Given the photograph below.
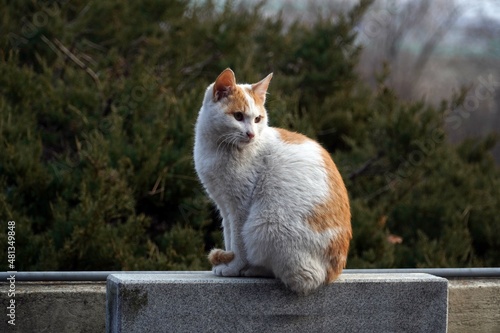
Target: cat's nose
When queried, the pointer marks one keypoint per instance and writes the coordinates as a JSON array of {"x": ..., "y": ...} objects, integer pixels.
[{"x": 250, "y": 135}]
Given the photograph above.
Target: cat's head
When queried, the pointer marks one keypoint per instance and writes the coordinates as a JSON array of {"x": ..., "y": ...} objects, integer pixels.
[{"x": 236, "y": 112}]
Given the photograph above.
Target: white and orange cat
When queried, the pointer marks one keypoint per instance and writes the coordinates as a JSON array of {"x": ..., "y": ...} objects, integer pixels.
[{"x": 285, "y": 209}]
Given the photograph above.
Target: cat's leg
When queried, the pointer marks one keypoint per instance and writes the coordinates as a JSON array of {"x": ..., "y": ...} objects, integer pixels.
[
  {"x": 290, "y": 254},
  {"x": 236, "y": 266},
  {"x": 227, "y": 235},
  {"x": 226, "y": 229},
  {"x": 220, "y": 256}
]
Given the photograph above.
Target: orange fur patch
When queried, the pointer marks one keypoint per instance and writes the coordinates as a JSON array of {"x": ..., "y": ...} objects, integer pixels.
[
  {"x": 291, "y": 137},
  {"x": 334, "y": 213},
  {"x": 337, "y": 255},
  {"x": 218, "y": 256},
  {"x": 259, "y": 102},
  {"x": 256, "y": 97},
  {"x": 237, "y": 102}
]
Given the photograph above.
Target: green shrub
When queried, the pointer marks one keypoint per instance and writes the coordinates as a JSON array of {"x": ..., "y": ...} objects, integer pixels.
[{"x": 98, "y": 101}]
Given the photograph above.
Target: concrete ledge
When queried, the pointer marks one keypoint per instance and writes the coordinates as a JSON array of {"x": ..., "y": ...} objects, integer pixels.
[
  {"x": 201, "y": 302},
  {"x": 474, "y": 306},
  {"x": 55, "y": 307}
]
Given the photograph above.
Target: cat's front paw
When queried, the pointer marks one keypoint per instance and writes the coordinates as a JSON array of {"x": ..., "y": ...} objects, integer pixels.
[{"x": 234, "y": 268}]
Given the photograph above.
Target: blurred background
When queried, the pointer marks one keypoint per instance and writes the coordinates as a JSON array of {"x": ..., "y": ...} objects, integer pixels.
[
  {"x": 98, "y": 101},
  {"x": 433, "y": 48}
]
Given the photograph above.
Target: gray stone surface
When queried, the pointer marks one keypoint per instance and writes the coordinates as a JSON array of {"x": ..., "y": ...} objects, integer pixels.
[
  {"x": 474, "y": 306},
  {"x": 55, "y": 307},
  {"x": 201, "y": 302}
]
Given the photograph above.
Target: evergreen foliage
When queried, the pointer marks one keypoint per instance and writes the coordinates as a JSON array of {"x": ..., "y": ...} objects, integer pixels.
[{"x": 98, "y": 101}]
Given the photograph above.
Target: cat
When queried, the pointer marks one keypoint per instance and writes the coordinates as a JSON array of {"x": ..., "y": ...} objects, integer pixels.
[{"x": 285, "y": 209}]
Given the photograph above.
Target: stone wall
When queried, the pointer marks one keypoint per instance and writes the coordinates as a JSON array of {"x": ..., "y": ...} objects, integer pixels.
[
  {"x": 473, "y": 306},
  {"x": 202, "y": 302}
]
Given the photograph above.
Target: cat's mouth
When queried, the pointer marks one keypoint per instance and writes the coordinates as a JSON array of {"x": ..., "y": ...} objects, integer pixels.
[
  {"x": 245, "y": 142},
  {"x": 248, "y": 139}
]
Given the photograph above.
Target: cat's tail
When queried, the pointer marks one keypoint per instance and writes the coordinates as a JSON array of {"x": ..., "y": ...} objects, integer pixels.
[
  {"x": 218, "y": 256},
  {"x": 305, "y": 278},
  {"x": 305, "y": 273}
]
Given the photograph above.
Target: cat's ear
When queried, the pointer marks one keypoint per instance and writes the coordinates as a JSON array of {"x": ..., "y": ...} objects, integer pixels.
[
  {"x": 260, "y": 88},
  {"x": 224, "y": 84}
]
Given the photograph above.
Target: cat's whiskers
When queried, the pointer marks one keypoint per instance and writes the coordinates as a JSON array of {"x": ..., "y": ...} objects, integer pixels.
[{"x": 225, "y": 141}]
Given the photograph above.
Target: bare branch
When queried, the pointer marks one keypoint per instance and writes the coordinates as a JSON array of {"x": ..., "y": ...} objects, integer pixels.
[
  {"x": 57, "y": 45},
  {"x": 365, "y": 166}
]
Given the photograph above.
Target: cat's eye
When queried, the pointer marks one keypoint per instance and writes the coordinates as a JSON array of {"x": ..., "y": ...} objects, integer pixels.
[
  {"x": 238, "y": 116},
  {"x": 257, "y": 119}
]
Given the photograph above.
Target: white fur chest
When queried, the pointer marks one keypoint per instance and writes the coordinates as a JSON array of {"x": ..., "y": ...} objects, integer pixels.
[{"x": 229, "y": 176}]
